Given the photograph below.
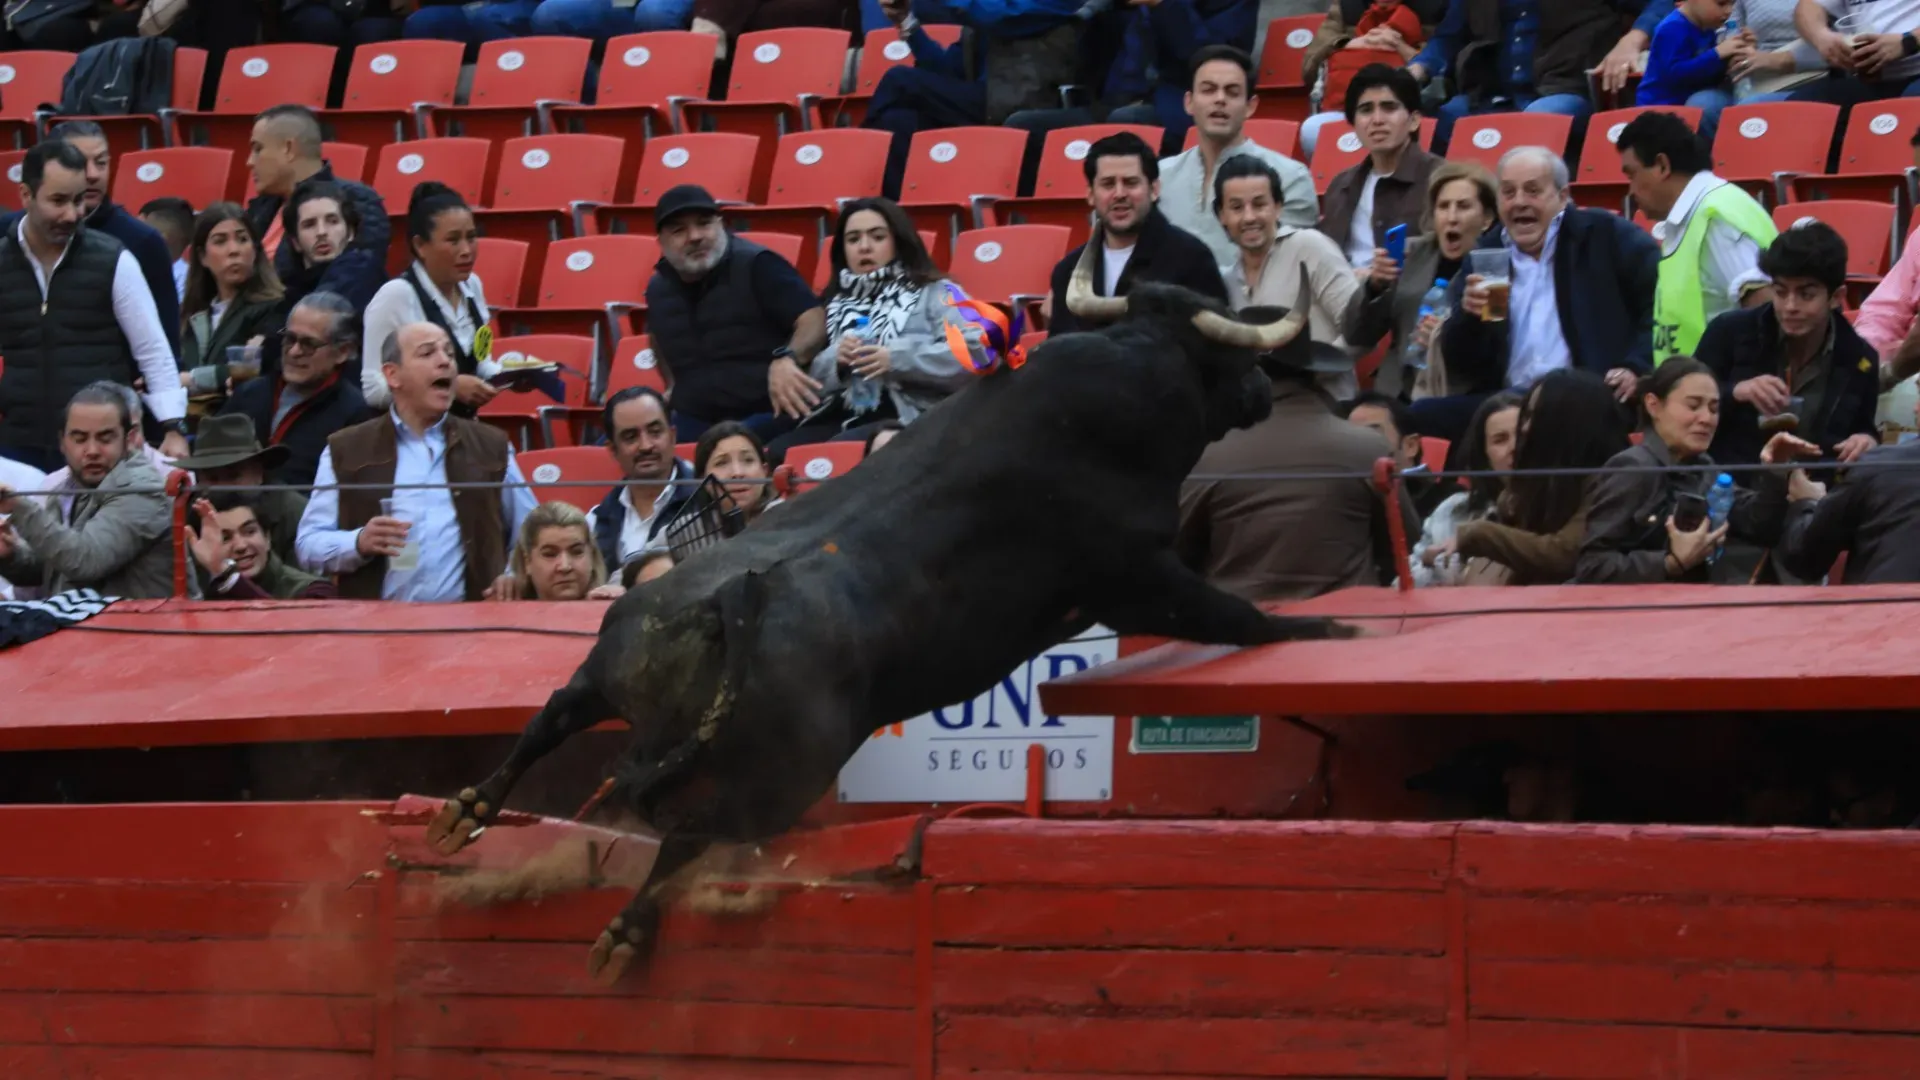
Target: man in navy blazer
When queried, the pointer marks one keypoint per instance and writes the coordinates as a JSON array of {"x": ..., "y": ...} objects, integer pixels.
[{"x": 1581, "y": 297}]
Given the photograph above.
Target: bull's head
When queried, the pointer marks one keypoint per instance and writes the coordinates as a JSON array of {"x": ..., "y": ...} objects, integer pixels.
[{"x": 1238, "y": 393}]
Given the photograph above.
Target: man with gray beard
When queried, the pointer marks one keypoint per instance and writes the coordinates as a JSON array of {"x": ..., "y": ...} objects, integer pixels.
[{"x": 733, "y": 323}]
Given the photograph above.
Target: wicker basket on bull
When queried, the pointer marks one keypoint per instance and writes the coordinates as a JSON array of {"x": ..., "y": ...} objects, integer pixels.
[{"x": 706, "y": 518}]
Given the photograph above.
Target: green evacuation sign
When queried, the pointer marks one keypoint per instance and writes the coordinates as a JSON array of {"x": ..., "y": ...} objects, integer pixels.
[{"x": 1195, "y": 734}]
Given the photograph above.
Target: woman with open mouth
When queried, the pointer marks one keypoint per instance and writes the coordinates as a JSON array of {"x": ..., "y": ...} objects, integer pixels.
[{"x": 1461, "y": 204}]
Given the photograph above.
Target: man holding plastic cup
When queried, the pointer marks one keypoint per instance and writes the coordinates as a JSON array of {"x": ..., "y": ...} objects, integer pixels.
[
  {"x": 409, "y": 536},
  {"x": 1577, "y": 292}
]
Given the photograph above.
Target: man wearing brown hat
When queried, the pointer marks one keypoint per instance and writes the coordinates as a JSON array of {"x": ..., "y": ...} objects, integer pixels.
[
  {"x": 227, "y": 454},
  {"x": 733, "y": 323},
  {"x": 1269, "y": 537}
]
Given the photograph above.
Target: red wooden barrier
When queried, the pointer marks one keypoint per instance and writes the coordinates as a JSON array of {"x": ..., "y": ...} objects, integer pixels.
[{"x": 311, "y": 941}]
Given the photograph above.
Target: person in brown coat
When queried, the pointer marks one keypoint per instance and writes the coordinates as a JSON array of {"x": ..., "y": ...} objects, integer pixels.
[{"x": 1268, "y": 538}]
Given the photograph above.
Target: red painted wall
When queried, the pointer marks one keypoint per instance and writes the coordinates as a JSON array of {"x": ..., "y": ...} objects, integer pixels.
[{"x": 251, "y": 941}]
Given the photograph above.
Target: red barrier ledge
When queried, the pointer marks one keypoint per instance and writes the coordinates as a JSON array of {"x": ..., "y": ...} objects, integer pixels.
[
  {"x": 1562, "y": 649},
  {"x": 174, "y": 673}
]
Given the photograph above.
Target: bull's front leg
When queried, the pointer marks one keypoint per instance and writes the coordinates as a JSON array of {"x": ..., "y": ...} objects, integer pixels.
[
  {"x": 572, "y": 709},
  {"x": 1161, "y": 597}
]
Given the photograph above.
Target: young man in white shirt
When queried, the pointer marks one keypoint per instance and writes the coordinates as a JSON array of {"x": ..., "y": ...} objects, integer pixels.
[{"x": 1220, "y": 101}]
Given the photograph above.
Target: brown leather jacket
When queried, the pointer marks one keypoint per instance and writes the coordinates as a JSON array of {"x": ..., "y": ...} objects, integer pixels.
[{"x": 1398, "y": 199}]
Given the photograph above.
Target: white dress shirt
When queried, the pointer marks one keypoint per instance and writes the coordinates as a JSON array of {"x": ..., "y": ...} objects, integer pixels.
[
  {"x": 636, "y": 528},
  {"x": 325, "y": 548},
  {"x": 396, "y": 305},
  {"x": 139, "y": 321},
  {"x": 16, "y": 476},
  {"x": 1729, "y": 260},
  {"x": 1537, "y": 346}
]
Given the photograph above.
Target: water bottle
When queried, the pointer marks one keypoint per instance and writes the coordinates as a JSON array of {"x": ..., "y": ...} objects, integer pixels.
[
  {"x": 863, "y": 396},
  {"x": 1719, "y": 505},
  {"x": 1433, "y": 303},
  {"x": 1743, "y": 86}
]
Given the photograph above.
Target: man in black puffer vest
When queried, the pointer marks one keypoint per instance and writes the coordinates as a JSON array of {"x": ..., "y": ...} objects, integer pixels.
[
  {"x": 66, "y": 341},
  {"x": 733, "y": 323}
]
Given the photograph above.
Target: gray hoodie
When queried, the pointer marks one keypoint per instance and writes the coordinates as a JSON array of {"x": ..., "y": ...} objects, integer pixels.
[{"x": 118, "y": 542}]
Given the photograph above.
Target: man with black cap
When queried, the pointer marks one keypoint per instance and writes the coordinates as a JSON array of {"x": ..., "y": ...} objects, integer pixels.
[
  {"x": 227, "y": 454},
  {"x": 1271, "y": 537},
  {"x": 733, "y": 323}
]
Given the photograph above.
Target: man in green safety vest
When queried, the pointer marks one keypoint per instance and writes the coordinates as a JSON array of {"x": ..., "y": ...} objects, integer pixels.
[{"x": 1710, "y": 232}]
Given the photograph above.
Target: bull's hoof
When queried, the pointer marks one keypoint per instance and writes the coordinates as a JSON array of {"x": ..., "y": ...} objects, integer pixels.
[
  {"x": 1343, "y": 630},
  {"x": 459, "y": 821},
  {"x": 1302, "y": 628},
  {"x": 613, "y": 952}
]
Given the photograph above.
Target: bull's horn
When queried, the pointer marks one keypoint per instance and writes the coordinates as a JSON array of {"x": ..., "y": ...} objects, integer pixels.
[
  {"x": 1080, "y": 296},
  {"x": 1263, "y": 337}
]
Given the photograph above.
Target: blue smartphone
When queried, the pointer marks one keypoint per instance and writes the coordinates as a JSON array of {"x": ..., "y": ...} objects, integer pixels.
[{"x": 1396, "y": 245}]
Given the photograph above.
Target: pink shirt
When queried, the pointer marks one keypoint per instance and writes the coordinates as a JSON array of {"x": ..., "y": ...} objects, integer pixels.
[{"x": 1889, "y": 313}]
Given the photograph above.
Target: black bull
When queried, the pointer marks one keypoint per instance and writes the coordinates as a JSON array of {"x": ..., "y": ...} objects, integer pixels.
[{"x": 1012, "y": 517}]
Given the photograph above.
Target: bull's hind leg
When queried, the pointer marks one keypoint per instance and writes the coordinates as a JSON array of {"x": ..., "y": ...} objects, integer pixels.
[
  {"x": 633, "y": 933},
  {"x": 1163, "y": 598},
  {"x": 572, "y": 709}
]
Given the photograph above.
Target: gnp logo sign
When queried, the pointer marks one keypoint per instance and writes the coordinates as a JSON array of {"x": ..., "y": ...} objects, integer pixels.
[{"x": 976, "y": 751}]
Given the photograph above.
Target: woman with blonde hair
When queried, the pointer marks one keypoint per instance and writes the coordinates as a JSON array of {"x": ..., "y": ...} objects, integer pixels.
[
  {"x": 1462, "y": 203},
  {"x": 232, "y": 298},
  {"x": 555, "y": 558}
]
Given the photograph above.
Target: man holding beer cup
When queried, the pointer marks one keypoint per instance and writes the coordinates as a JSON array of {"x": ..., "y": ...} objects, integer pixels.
[{"x": 1555, "y": 286}]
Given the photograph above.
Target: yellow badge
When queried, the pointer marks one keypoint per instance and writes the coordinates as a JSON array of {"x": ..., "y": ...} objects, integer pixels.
[
  {"x": 1866, "y": 365},
  {"x": 482, "y": 344}
]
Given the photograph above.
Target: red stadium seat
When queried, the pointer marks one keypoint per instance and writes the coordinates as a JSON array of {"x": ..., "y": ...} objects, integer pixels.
[
  {"x": 721, "y": 162},
  {"x": 643, "y": 81},
  {"x": 144, "y": 131},
  {"x": 815, "y": 463},
  {"x": 1060, "y": 186},
  {"x": 883, "y": 50},
  {"x": 1876, "y": 158},
  {"x": 1869, "y": 228},
  {"x": 774, "y": 86},
  {"x": 501, "y": 266},
  {"x": 545, "y": 469},
  {"x": 510, "y": 81},
  {"x": 537, "y": 180},
  {"x": 387, "y": 80},
  {"x": 252, "y": 79},
  {"x": 518, "y": 411},
  {"x": 950, "y": 168},
  {"x": 198, "y": 174},
  {"x": 1756, "y": 143},
  {"x": 28, "y": 80},
  {"x": 785, "y": 245},
  {"x": 1280, "y": 136},
  {"x": 1599, "y": 183},
  {"x": 1009, "y": 265},
  {"x": 634, "y": 365},
  {"x": 588, "y": 285},
  {"x": 10, "y": 190},
  {"x": 1281, "y": 84},
  {"x": 812, "y": 172},
  {"x": 1339, "y": 149},
  {"x": 1485, "y": 138}
]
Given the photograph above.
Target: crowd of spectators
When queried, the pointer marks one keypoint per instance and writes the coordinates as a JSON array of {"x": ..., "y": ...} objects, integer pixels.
[{"x": 269, "y": 345}]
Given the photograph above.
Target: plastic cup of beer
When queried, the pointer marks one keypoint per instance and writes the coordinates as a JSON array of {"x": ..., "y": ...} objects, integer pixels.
[
  {"x": 1494, "y": 267},
  {"x": 409, "y": 557},
  {"x": 243, "y": 362},
  {"x": 1787, "y": 419}
]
